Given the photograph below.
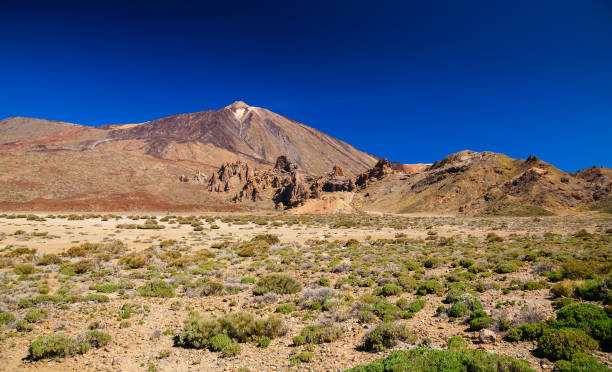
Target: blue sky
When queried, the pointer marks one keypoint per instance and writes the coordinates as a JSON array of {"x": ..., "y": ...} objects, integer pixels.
[{"x": 408, "y": 80}]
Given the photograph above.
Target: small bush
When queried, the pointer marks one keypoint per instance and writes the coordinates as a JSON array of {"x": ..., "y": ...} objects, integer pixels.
[
  {"x": 459, "y": 310},
  {"x": 317, "y": 335},
  {"x": 96, "y": 338},
  {"x": 34, "y": 316},
  {"x": 385, "y": 336},
  {"x": 389, "y": 289},
  {"x": 6, "y": 318},
  {"x": 456, "y": 342},
  {"x": 197, "y": 331},
  {"x": 562, "y": 289},
  {"x": 430, "y": 286},
  {"x": 565, "y": 343},
  {"x": 416, "y": 305},
  {"x": 156, "y": 288},
  {"x": 263, "y": 342},
  {"x": 133, "y": 260},
  {"x": 506, "y": 268},
  {"x": 24, "y": 269},
  {"x": 430, "y": 360},
  {"x": 303, "y": 357},
  {"x": 298, "y": 340},
  {"x": 219, "y": 342},
  {"x": 96, "y": 298},
  {"x": 285, "y": 308},
  {"x": 581, "y": 363},
  {"x": 242, "y": 327},
  {"x": 477, "y": 324},
  {"x": 277, "y": 283},
  {"x": 54, "y": 345},
  {"x": 589, "y": 318},
  {"x": 527, "y": 332},
  {"x": 231, "y": 350}
]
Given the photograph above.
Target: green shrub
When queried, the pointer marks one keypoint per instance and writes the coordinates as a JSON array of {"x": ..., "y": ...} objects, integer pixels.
[
  {"x": 527, "y": 332},
  {"x": 96, "y": 338},
  {"x": 6, "y": 318},
  {"x": 386, "y": 311},
  {"x": 562, "y": 289},
  {"x": 285, "y": 308},
  {"x": 385, "y": 336},
  {"x": 408, "y": 283},
  {"x": 594, "y": 290},
  {"x": 231, "y": 350},
  {"x": 48, "y": 259},
  {"x": 317, "y": 335},
  {"x": 459, "y": 310},
  {"x": 197, "y": 331},
  {"x": 581, "y": 363},
  {"x": 431, "y": 360},
  {"x": 466, "y": 262},
  {"x": 416, "y": 305},
  {"x": 264, "y": 342},
  {"x": 252, "y": 249},
  {"x": 576, "y": 269},
  {"x": 268, "y": 238},
  {"x": 298, "y": 340},
  {"x": 456, "y": 342},
  {"x": 277, "y": 283},
  {"x": 565, "y": 343},
  {"x": 96, "y": 298},
  {"x": 156, "y": 288},
  {"x": 303, "y": 357},
  {"x": 107, "y": 288},
  {"x": 589, "y": 318},
  {"x": 219, "y": 342},
  {"x": 24, "y": 269},
  {"x": 514, "y": 335},
  {"x": 54, "y": 345},
  {"x": 477, "y": 324},
  {"x": 431, "y": 262},
  {"x": 506, "y": 268},
  {"x": 430, "y": 286},
  {"x": 34, "y": 316},
  {"x": 563, "y": 303},
  {"x": 389, "y": 289},
  {"x": 242, "y": 327}
]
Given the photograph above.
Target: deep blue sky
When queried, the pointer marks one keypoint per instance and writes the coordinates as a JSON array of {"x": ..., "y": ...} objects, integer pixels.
[{"x": 409, "y": 80}]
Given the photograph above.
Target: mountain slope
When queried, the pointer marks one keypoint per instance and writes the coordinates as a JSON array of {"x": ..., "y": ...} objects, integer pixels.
[
  {"x": 490, "y": 184},
  {"x": 48, "y": 165},
  {"x": 253, "y": 133}
]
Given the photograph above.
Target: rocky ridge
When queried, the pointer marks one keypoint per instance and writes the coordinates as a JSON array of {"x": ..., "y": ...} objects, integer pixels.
[{"x": 285, "y": 184}]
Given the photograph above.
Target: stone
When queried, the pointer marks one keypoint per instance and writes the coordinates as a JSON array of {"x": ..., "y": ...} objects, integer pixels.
[{"x": 486, "y": 336}]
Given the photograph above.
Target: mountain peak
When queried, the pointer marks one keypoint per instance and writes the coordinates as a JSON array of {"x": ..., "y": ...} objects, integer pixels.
[{"x": 237, "y": 105}]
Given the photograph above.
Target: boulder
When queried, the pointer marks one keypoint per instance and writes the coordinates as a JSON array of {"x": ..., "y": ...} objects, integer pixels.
[{"x": 486, "y": 336}]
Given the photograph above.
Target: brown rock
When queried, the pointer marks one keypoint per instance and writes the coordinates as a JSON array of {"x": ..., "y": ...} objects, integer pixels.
[{"x": 486, "y": 336}]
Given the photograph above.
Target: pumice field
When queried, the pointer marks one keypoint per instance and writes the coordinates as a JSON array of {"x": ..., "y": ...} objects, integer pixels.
[{"x": 281, "y": 292}]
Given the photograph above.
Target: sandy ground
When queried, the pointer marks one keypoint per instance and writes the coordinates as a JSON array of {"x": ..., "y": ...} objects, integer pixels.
[{"x": 135, "y": 348}]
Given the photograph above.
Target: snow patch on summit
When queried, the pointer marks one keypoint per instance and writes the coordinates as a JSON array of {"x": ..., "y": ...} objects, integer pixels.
[{"x": 239, "y": 113}]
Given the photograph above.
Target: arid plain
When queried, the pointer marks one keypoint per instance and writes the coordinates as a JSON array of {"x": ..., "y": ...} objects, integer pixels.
[{"x": 294, "y": 292}]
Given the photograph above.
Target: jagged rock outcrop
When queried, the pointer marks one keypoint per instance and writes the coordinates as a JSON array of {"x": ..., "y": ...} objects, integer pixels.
[
  {"x": 293, "y": 192},
  {"x": 381, "y": 169},
  {"x": 283, "y": 164},
  {"x": 337, "y": 171},
  {"x": 229, "y": 177},
  {"x": 285, "y": 184},
  {"x": 198, "y": 177}
]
